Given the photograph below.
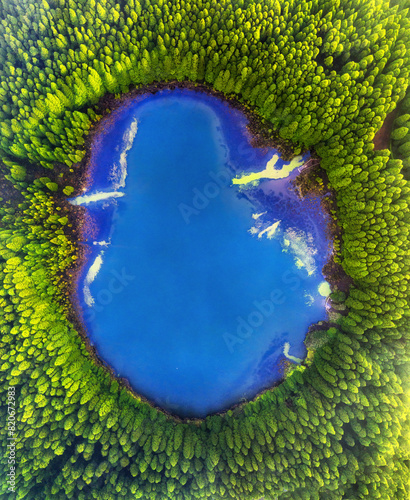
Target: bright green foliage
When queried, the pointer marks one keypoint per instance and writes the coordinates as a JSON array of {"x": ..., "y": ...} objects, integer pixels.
[
  {"x": 400, "y": 136},
  {"x": 68, "y": 190},
  {"x": 323, "y": 75}
]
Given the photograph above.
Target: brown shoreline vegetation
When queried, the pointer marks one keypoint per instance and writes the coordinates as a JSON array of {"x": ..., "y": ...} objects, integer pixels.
[
  {"x": 313, "y": 181},
  {"x": 82, "y": 225}
]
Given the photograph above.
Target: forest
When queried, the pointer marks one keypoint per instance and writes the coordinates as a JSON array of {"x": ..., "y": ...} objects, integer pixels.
[{"x": 320, "y": 74}]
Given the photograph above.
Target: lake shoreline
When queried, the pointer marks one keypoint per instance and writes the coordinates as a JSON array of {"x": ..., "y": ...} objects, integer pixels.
[
  {"x": 82, "y": 226},
  {"x": 257, "y": 127}
]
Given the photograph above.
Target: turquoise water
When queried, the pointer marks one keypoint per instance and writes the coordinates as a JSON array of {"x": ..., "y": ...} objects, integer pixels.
[{"x": 186, "y": 292}]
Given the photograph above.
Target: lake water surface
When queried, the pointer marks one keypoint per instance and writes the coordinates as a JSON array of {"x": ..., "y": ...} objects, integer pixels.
[{"x": 194, "y": 285}]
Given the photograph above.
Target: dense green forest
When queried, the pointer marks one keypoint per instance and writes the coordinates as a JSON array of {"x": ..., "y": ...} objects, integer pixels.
[{"x": 322, "y": 74}]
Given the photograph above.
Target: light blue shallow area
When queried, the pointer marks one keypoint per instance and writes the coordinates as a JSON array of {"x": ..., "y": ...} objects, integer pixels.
[{"x": 178, "y": 295}]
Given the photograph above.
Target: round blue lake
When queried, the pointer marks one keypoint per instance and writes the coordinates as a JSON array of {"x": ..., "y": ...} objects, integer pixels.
[{"x": 204, "y": 265}]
